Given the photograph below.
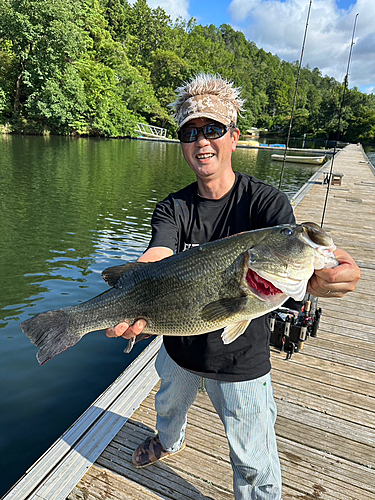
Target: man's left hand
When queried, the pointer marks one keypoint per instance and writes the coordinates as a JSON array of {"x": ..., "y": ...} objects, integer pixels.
[{"x": 337, "y": 281}]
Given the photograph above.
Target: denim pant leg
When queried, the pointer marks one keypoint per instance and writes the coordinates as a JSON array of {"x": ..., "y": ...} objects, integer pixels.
[
  {"x": 248, "y": 412},
  {"x": 178, "y": 390}
]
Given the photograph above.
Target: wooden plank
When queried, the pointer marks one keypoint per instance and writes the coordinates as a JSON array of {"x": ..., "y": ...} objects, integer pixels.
[
  {"x": 313, "y": 483},
  {"x": 325, "y": 433},
  {"x": 214, "y": 497},
  {"x": 340, "y": 322},
  {"x": 352, "y": 334},
  {"x": 343, "y": 358},
  {"x": 365, "y": 348},
  {"x": 365, "y": 418},
  {"x": 101, "y": 483},
  {"x": 316, "y": 359},
  {"x": 343, "y": 473},
  {"x": 362, "y": 317},
  {"x": 359, "y": 354},
  {"x": 163, "y": 480},
  {"x": 326, "y": 379},
  {"x": 211, "y": 469},
  {"x": 308, "y": 389}
]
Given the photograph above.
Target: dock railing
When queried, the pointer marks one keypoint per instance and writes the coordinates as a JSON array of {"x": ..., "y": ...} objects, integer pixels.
[{"x": 151, "y": 130}]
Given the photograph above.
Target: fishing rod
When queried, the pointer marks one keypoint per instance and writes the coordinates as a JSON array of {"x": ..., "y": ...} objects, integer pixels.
[
  {"x": 346, "y": 79},
  {"x": 295, "y": 96},
  {"x": 290, "y": 328},
  {"x": 311, "y": 301}
]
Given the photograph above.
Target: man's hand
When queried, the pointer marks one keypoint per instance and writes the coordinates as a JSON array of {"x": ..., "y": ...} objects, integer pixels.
[
  {"x": 338, "y": 281},
  {"x": 125, "y": 330}
]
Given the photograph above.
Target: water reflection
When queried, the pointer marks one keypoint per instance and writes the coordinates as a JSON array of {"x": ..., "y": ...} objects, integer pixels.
[{"x": 259, "y": 164}]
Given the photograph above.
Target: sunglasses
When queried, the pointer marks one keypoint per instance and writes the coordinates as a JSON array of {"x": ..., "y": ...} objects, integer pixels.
[{"x": 210, "y": 131}]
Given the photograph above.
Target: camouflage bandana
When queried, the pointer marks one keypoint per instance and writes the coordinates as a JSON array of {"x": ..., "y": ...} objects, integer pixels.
[{"x": 207, "y": 106}]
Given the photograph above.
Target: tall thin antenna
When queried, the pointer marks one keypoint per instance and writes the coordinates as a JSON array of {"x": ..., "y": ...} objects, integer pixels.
[
  {"x": 295, "y": 97},
  {"x": 346, "y": 79}
]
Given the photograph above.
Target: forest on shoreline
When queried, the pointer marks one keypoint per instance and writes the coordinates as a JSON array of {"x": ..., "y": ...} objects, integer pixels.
[{"x": 97, "y": 67}]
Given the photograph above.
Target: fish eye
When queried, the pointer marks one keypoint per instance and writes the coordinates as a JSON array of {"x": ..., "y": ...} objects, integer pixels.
[{"x": 287, "y": 231}]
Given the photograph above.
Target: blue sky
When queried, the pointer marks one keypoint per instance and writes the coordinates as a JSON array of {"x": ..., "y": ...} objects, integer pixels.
[
  {"x": 205, "y": 14},
  {"x": 278, "y": 26}
]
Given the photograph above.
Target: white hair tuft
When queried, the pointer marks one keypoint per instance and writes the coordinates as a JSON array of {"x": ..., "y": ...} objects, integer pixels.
[{"x": 207, "y": 84}]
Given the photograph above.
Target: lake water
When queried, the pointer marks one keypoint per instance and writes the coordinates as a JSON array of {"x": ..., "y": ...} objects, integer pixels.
[
  {"x": 371, "y": 154},
  {"x": 69, "y": 209}
]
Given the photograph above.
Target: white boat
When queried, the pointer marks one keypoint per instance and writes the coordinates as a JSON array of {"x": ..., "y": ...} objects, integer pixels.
[{"x": 316, "y": 160}]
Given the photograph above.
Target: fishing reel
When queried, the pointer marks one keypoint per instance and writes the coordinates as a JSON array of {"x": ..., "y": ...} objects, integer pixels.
[{"x": 291, "y": 326}]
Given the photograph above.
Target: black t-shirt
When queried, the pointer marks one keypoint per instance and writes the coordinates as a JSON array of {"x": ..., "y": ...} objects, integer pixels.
[{"x": 185, "y": 219}]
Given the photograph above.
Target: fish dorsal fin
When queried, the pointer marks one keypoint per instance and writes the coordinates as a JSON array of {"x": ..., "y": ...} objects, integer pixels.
[
  {"x": 111, "y": 275},
  {"x": 224, "y": 308},
  {"x": 232, "y": 332}
]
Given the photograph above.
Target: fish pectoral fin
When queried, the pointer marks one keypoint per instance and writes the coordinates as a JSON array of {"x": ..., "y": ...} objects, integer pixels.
[
  {"x": 129, "y": 347},
  {"x": 111, "y": 275},
  {"x": 224, "y": 308},
  {"x": 232, "y": 332},
  {"x": 134, "y": 340}
]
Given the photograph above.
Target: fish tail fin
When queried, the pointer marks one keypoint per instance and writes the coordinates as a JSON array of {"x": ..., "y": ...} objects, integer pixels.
[{"x": 50, "y": 332}]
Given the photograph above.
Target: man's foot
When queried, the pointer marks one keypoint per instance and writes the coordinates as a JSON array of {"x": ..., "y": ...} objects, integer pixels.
[{"x": 150, "y": 451}]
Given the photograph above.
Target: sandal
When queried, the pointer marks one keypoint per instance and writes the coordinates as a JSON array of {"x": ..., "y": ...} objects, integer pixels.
[{"x": 150, "y": 451}]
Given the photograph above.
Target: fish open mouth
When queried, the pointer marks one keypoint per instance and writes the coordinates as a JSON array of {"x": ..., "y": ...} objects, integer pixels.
[{"x": 261, "y": 286}]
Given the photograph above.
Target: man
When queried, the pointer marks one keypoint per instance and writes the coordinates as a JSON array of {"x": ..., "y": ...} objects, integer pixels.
[{"x": 237, "y": 376}]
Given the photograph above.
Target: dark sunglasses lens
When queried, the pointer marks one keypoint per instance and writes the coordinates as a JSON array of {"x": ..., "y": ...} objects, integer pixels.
[
  {"x": 188, "y": 134},
  {"x": 213, "y": 131},
  {"x": 210, "y": 131}
]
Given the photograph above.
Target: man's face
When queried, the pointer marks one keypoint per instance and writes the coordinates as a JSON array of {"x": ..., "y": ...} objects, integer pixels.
[{"x": 209, "y": 158}]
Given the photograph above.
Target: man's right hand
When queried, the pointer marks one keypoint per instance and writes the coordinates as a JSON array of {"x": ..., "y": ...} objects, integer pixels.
[{"x": 125, "y": 330}]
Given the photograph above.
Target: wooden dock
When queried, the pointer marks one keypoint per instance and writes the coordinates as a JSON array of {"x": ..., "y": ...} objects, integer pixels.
[{"x": 325, "y": 395}]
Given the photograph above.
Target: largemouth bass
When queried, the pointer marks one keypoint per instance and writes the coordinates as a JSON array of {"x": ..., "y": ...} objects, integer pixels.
[{"x": 221, "y": 284}]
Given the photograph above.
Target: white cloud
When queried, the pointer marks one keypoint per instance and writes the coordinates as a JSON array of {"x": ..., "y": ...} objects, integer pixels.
[
  {"x": 240, "y": 9},
  {"x": 278, "y": 27},
  {"x": 369, "y": 90},
  {"x": 174, "y": 8}
]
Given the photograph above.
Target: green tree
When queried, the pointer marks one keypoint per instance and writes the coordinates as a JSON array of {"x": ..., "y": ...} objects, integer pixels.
[
  {"x": 205, "y": 50},
  {"x": 168, "y": 70},
  {"x": 106, "y": 112},
  {"x": 359, "y": 112},
  {"x": 116, "y": 12},
  {"x": 69, "y": 75},
  {"x": 146, "y": 31},
  {"x": 45, "y": 39},
  {"x": 7, "y": 76}
]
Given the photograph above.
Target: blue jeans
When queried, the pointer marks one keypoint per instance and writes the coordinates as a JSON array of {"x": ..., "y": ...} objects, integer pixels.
[{"x": 248, "y": 412}]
